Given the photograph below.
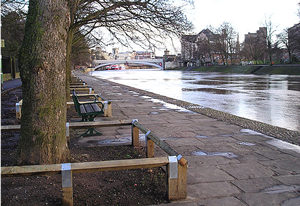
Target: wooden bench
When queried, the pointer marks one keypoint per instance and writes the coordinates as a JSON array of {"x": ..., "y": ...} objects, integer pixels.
[
  {"x": 88, "y": 112},
  {"x": 97, "y": 97}
]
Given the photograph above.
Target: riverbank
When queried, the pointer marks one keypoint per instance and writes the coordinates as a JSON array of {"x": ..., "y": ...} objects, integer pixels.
[
  {"x": 228, "y": 164},
  {"x": 249, "y": 69}
]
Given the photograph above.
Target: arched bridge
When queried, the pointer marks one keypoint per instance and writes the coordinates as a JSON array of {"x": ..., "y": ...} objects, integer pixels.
[{"x": 158, "y": 63}]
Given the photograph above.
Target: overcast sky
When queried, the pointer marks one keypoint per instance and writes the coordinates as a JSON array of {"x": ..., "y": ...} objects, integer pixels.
[{"x": 244, "y": 15}]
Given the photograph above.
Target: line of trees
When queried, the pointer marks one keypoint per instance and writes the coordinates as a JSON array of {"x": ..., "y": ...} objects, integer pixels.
[{"x": 222, "y": 45}]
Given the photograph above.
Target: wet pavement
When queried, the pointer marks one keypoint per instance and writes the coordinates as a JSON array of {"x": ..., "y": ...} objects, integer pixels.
[
  {"x": 272, "y": 99},
  {"x": 228, "y": 164}
]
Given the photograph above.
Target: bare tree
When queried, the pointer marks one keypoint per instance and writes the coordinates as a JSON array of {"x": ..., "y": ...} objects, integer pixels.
[
  {"x": 226, "y": 41},
  {"x": 254, "y": 48},
  {"x": 284, "y": 42},
  {"x": 271, "y": 29},
  {"x": 142, "y": 22},
  {"x": 44, "y": 55}
]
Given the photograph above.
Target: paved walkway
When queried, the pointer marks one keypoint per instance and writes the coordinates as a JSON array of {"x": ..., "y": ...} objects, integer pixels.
[{"x": 228, "y": 164}]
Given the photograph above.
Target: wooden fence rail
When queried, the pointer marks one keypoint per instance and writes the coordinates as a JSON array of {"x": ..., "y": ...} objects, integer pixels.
[{"x": 176, "y": 164}]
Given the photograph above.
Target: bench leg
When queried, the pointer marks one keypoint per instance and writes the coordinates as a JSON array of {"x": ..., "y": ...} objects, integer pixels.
[{"x": 91, "y": 132}]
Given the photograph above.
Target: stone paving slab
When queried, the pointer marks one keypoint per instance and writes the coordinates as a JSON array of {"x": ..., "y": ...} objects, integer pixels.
[
  {"x": 228, "y": 164},
  {"x": 256, "y": 184},
  {"x": 211, "y": 190},
  {"x": 247, "y": 170},
  {"x": 263, "y": 199},
  {"x": 207, "y": 174}
]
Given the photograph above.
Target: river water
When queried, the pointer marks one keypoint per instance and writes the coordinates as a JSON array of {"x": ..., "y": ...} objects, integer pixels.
[{"x": 273, "y": 99}]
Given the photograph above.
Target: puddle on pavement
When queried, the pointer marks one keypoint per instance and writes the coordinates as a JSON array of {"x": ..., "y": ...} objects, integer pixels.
[
  {"x": 146, "y": 97},
  {"x": 223, "y": 154},
  {"x": 284, "y": 145},
  {"x": 202, "y": 136},
  {"x": 246, "y": 143},
  {"x": 153, "y": 113},
  {"x": 281, "y": 189},
  {"x": 133, "y": 92},
  {"x": 280, "y": 144},
  {"x": 252, "y": 132},
  {"x": 170, "y": 106},
  {"x": 226, "y": 135}
]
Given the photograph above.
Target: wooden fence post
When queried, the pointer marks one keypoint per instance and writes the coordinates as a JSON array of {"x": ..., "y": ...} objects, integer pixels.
[
  {"x": 150, "y": 148},
  {"x": 177, "y": 178},
  {"x": 67, "y": 187},
  {"x": 107, "y": 109},
  {"x": 182, "y": 177},
  {"x": 149, "y": 145},
  {"x": 135, "y": 135}
]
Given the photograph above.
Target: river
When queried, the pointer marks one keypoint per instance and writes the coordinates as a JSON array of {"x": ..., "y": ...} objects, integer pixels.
[{"x": 272, "y": 99}]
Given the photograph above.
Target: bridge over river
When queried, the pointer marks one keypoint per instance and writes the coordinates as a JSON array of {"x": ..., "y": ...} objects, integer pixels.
[{"x": 157, "y": 63}]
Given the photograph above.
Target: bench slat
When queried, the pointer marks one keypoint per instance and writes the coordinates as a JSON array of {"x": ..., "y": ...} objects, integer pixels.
[
  {"x": 82, "y": 109},
  {"x": 88, "y": 108},
  {"x": 96, "y": 107}
]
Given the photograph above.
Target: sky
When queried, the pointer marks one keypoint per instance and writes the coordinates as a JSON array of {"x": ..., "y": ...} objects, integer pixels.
[{"x": 244, "y": 15}]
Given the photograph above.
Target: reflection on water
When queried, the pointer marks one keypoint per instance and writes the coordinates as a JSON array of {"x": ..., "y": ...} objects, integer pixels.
[{"x": 273, "y": 99}]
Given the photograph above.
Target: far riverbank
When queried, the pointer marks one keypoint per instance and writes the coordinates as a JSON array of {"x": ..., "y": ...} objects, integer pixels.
[{"x": 249, "y": 69}]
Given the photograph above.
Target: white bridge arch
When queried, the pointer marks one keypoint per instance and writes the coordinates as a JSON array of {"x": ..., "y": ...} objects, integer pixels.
[{"x": 150, "y": 62}]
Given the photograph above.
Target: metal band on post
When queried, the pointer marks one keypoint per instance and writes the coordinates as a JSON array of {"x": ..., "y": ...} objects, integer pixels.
[
  {"x": 173, "y": 167},
  {"x": 105, "y": 104},
  {"x": 146, "y": 135},
  {"x": 17, "y": 107},
  {"x": 90, "y": 90},
  {"x": 67, "y": 188},
  {"x": 134, "y": 120},
  {"x": 66, "y": 175},
  {"x": 67, "y": 129},
  {"x": 179, "y": 157},
  {"x": 135, "y": 134}
]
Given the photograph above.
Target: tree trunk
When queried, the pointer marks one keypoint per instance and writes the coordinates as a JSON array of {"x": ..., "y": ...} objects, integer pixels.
[
  {"x": 72, "y": 6},
  {"x": 42, "y": 66},
  {"x": 68, "y": 61}
]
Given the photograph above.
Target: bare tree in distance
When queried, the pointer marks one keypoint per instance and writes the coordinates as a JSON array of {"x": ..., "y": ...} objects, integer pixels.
[
  {"x": 271, "y": 29},
  {"x": 254, "y": 49},
  {"x": 284, "y": 41},
  {"x": 226, "y": 38}
]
